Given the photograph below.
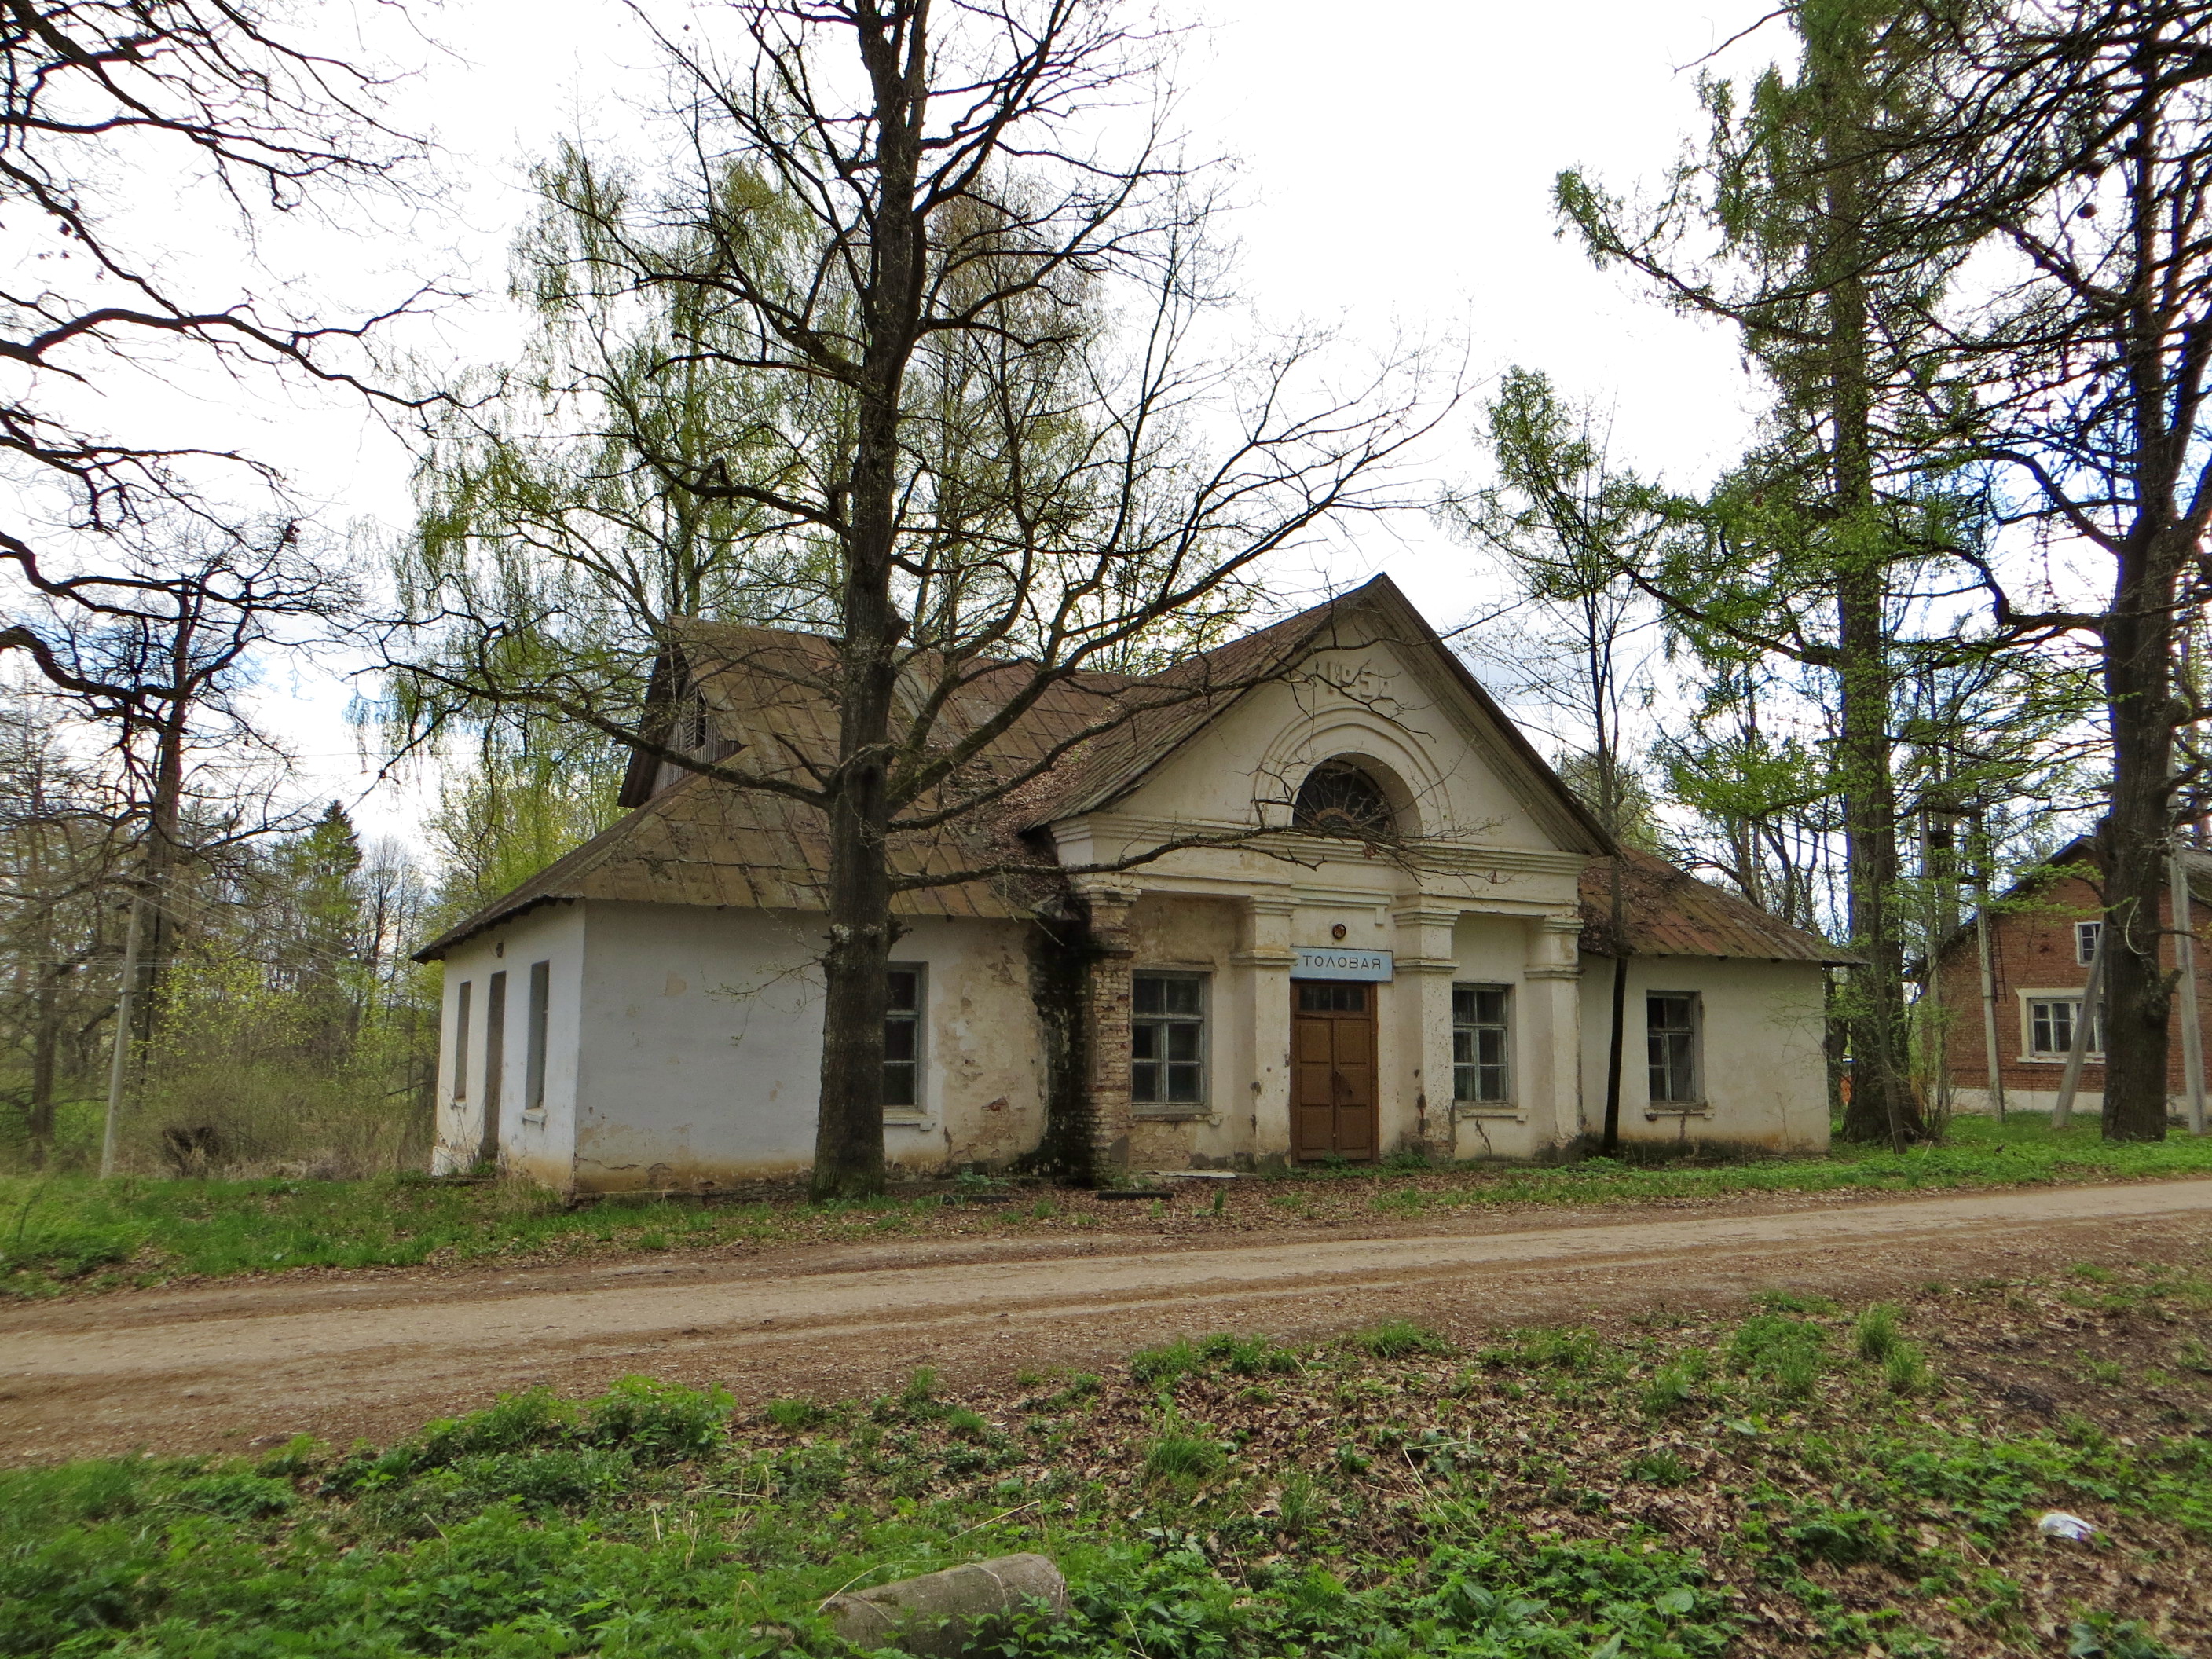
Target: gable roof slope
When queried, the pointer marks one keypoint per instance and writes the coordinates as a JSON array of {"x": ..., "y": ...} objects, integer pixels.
[
  {"x": 1670, "y": 912},
  {"x": 701, "y": 842},
  {"x": 1209, "y": 682}
]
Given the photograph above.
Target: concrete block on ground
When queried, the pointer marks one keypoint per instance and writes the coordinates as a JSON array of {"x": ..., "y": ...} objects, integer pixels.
[{"x": 939, "y": 1614}]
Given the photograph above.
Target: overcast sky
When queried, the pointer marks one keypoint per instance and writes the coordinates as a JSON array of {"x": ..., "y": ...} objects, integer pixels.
[{"x": 1395, "y": 158}]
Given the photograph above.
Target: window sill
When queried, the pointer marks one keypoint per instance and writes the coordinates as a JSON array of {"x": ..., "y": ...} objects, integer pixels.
[
  {"x": 1465, "y": 1109},
  {"x": 906, "y": 1119},
  {"x": 1168, "y": 1114},
  {"x": 2057, "y": 1059},
  {"x": 1676, "y": 1109},
  {"x": 536, "y": 1117}
]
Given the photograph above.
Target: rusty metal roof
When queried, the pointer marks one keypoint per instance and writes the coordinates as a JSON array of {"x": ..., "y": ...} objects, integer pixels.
[{"x": 1670, "y": 912}]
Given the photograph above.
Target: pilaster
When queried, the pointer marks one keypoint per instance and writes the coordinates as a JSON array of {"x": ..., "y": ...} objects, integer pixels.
[
  {"x": 1105, "y": 1139},
  {"x": 1264, "y": 959},
  {"x": 1425, "y": 966},
  {"x": 1551, "y": 1028}
]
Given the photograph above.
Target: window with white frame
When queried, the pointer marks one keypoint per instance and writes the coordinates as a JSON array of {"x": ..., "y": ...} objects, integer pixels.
[
  {"x": 902, "y": 1038},
  {"x": 1167, "y": 1040},
  {"x": 2086, "y": 935},
  {"x": 1670, "y": 1026},
  {"x": 1479, "y": 1051},
  {"x": 2051, "y": 1021}
]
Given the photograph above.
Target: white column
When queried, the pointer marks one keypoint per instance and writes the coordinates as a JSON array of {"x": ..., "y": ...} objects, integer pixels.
[
  {"x": 1422, "y": 1081},
  {"x": 1264, "y": 962},
  {"x": 1550, "y": 1030}
]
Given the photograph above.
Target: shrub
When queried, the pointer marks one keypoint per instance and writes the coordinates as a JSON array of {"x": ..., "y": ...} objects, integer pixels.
[
  {"x": 1182, "y": 1458},
  {"x": 1167, "y": 1364},
  {"x": 792, "y": 1415},
  {"x": 1399, "y": 1339},
  {"x": 1660, "y": 1469},
  {"x": 1905, "y": 1370},
  {"x": 657, "y": 1422},
  {"x": 1240, "y": 1356},
  {"x": 1842, "y": 1537},
  {"x": 1874, "y": 1332},
  {"x": 1788, "y": 1352},
  {"x": 1798, "y": 1302},
  {"x": 1671, "y": 1387}
]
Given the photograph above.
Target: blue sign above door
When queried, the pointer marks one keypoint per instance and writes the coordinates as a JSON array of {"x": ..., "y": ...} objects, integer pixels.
[{"x": 1334, "y": 962}]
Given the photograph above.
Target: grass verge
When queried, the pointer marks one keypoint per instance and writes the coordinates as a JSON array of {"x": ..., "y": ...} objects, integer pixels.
[
  {"x": 75, "y": 1234},
  {"x": 1774, "y": 1483}
]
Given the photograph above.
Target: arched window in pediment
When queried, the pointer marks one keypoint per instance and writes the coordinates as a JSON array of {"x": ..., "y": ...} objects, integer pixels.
[{"x": 1339, "y": 799}]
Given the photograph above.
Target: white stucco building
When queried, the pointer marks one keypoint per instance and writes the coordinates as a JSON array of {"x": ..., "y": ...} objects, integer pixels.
[{"x": 1401, "y": 950}]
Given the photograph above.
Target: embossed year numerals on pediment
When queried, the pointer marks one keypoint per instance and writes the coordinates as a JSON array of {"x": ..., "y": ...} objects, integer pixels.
[{"x": 1360, "y": 683}]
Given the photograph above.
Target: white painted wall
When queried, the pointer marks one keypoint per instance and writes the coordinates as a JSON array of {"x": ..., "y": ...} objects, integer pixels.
[
  {"x": 1766, "y": 1078},
  {"x": 540, "y": 1144},
  {"x": 699, "y": 1034}
]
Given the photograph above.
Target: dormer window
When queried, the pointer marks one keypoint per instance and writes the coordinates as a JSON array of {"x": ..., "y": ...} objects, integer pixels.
[{"x": 1337, "y": 799}]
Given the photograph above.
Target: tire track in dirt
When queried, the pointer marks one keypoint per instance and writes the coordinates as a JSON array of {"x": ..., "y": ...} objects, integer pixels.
[{"x": 210, "y": 1368}]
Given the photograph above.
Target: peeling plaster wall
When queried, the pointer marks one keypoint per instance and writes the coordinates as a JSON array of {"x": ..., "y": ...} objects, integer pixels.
[
  {"x": 984, "y": 1080},
  {"x": 1765, "y": 1078},
  {"x": 1192, "y": 934},
  {"x": 700, "y": 1036}
]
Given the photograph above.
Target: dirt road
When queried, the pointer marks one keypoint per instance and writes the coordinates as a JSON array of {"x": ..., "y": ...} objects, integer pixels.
[{"x": 376, "y": 1354}]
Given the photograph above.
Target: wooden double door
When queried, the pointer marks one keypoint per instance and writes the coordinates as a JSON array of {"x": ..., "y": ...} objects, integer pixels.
[{"x": 1333, "y": 1104}]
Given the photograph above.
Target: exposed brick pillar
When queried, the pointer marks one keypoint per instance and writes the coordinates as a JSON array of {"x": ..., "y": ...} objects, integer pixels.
[{"x": 1106, "y": 1035}]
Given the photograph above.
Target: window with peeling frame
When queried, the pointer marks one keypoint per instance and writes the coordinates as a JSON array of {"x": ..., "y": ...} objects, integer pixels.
[
  {"x": 1167, "y": 1040},
  {"x": 1670, "y": 1020},
  {"x": 902, "y": 1038},
  {"x": 2051, "y": 1028},
  {"x": 1479, "y": 1055}
]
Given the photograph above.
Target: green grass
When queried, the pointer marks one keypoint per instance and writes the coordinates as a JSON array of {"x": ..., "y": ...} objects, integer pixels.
[
  {"x": 1977, "y": 1152},
  {"x": 1387, "y": 1506},
  {"x": 77, "y": 1233},
  {"x": 81, "y": 1233}
]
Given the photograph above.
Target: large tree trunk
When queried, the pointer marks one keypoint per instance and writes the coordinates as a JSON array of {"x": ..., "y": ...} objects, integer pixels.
[
  {"x": 849, "y": 1147},
  {"x": 2138, "y": 992},
  {"x": 1882, "y": 1107},
  {"x": 164, "y": 855},
  {"x": 45, "y": 1050}
]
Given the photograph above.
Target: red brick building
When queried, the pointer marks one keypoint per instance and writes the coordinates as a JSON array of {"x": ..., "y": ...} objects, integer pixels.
[{"x": 2041, "y": 938}]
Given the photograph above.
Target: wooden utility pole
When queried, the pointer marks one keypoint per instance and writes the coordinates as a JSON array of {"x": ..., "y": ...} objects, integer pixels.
[
  {"x": 2078, "y": 1050},
  {"x": 1993, "y": 1055},
  {"x": 2192, "y": 1011}
]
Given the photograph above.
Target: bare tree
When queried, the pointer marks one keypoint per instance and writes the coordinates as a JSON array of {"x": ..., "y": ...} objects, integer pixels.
[
  {"x": 1567, "y": 519},
  {"x": 991, "y": 426},
  {"x": 2080, "y": 141},
  {"x": 109, "y": 110},
  {"x": 63, "y": 856},
  {"x": 159, "y": 657}
]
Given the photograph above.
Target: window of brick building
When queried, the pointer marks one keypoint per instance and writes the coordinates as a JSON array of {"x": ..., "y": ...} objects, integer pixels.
[{"x": 2051, "y": 1028}]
